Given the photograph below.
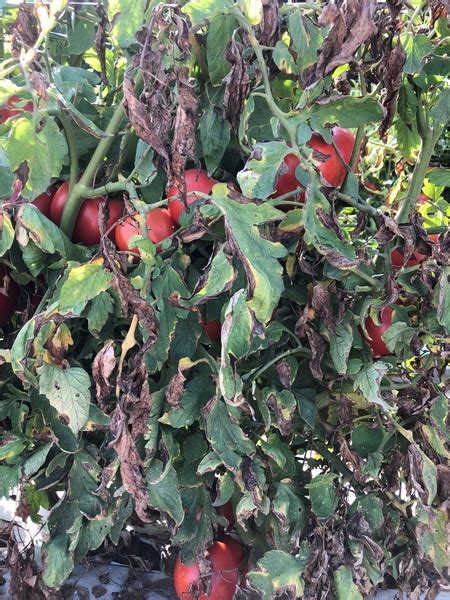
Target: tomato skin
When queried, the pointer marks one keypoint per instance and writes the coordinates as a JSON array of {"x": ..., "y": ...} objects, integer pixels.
[
  {"x": 196, "y": 181},
  {"x": 227, "y": 511},
  {"x": 331, "y": 167},
  {"x": 212, "y": 329},
  {"x": 397, "y": 256},
  {"x": 86, "y": 230},
  {"x": 159, "y": 226},
  {"x": 9, "y": 293},
  {"x": 376, "y": 343},
  {"x": 227, "y": 559},
  {"x": 8, "y": 110},
  {"x": 43, "y": 202}
]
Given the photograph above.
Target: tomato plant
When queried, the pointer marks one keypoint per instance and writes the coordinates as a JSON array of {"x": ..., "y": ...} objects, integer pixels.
[
  {"x": 159, "y": 226},
  {"x": 86, "y": 229},
  {"x": 278, "y": 357},
  {"x": 196, "y": 181},
  {"x": 227, "y": 562}
]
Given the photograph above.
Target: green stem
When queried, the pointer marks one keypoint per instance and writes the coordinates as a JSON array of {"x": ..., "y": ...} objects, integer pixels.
[
  {"x": 252, "y": 375},
  {"x": 370, "y": 280},
  {"x": 199, "y": 55},
  {"x": 75, "y": 200},
  {"x": 72, "y": 144},
  {"x": 362, "y": 206},
  {"x": 420, "y": 169}
]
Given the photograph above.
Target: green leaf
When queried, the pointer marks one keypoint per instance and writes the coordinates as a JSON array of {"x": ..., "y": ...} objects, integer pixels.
[
  {"x": 6, "y": 174},
  {"x": 341, "y": 343},
  {"x": 201, "y": 10},
  {"x": 407, "y": 103},
  {"x": 423, "y": 474},
  {"x": 39, "y": 237},
  {"x": 9, "y": 479},
  {"x": 195, "y": 535},
  {"x": 345, "y": 586},
  {"x": 218, "y": 277},
  {"x": 283, "y": 58},
  {"x": 366, "y": 440},
  {"x": 436, "y": 431},
  {"x": 440, "y": 112},
  {"x": 407, "y": 137},
  {"x": 68, "y": 390},
  {"x": 84, "y": 479},
  {"x": 257, "y": 254},
  {"x": 257, "y": 180},
  {"x": 416, "y": 47},
  {"x": 214, "y": 135},
  {"x": 41, "y": 153},
  {"x": 431, "y": 533},
  {"x": 7, "y": 234},
  {"x": 322, "y": 492},
  {"x": 225, "y": 436},
  {"x": 58, "y": 562},
  {"x": 346, "y": 112},
  {"x": 81, "y": 38},
  {"x": 196, "y": 393},
  {"x": 163, "y": 492},
  {"x": 277, "y": 573},
  {"x": 307, "y": 405},
  {"x": 441, "y": 299},
  {"x": 398, "y": 336},
  {"x": 36, "y": 460},
  {"x": 83, "y": 284},
  {"x": 338, "y": 252},
  {"x": 439, "y": 177},
  {"x": 100, "y": 309},
  {"x": 368, "y": 382},
  {"x": 126, "y": 18},
  {"x": 237, "y": 327},
  {"x": 290, "y": 512},
  {"x": 219, "y": 33}
]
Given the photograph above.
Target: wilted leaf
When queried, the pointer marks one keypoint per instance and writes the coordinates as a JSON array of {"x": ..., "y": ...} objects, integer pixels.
[
  {"x": 237, "y": 83},
  {"x": 345, "y": 586},
  {"x": 218, "y": 278},
  {"x": 258, "y": 255}
]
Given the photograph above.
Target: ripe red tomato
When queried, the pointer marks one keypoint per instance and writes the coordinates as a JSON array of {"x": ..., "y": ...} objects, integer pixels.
[
  {"x": 376, "y": 343},
  {"x": 9, "y": 111},
  {"x": 86, "y": 230},
  {"x": 332, "y": 169},
  {"x": 397, "y": 256},
  {"x": 44, "y": 201},
  {"x": 9, "y": 293},
  {"x": 159, "y": 226},
  {"x": 196, "y": 181},
  {"x": 227, "y": 511},
  {"x": 228, "y": 564},
  {"x": 212, "y": 329}
]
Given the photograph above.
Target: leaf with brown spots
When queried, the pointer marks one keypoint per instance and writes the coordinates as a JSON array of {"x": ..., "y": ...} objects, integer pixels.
[
  {"x": 103, "y": 365},
  {"x": 392, "y": 79},
  {"x": 100, "y": 40},
  {"x": 237, "y": 83}
]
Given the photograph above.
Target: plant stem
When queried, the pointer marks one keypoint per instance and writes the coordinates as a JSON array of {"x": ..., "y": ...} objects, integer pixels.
[
  {"x": 199, "y": 55},
  {"x": 255, "y": 374},
  {"x": 72, "y": 144},
  {"x": 370, "y": 280},
  {"x": 75, "y": 200},
  {"x": 415, "y": 186},
  {"x": 362, "y": 206}
]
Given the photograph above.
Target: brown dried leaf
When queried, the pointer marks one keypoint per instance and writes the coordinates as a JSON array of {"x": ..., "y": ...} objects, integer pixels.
[
  {"x": 251, "y": 481},
  {"x": 352, "y": 24},
  {"x": 25, "y": 30},
  {"x": 175, "y": 389},
  {"x": 237, "y": 83},
  {"x": 392, "y": 292},
  {"x": 321, "y": 302},
  {"x": 141, "y": 120},
  {"x": 185, "y": 127},
  {"x": 100, "y": 40},
  {"x": 40, "y": 84},
  {"x": 103, "y": 365},
  {"x": 284, "y": 373},
  {"x": 268, "y": 32},
  {"x": 361, "y": 224},
  {"x": 136, "y": 396},
  {"x": 131, "y": 466},
  {"x": 351, "y": 459},
  {"x": 318, "y": 347},
  {"x": 392, "y": 79}
]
